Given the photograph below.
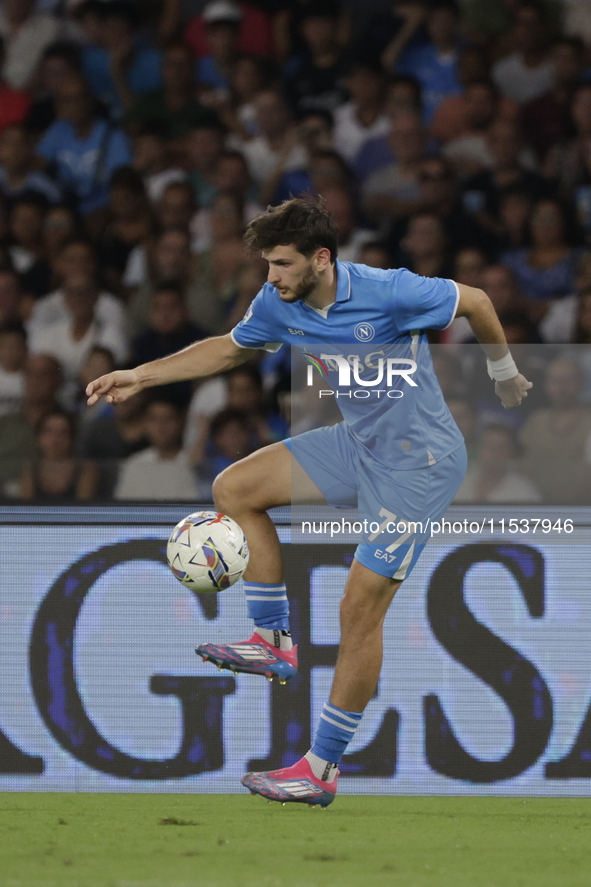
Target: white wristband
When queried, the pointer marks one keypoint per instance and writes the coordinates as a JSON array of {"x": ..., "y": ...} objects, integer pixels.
[{"x": 503, "y": 369}]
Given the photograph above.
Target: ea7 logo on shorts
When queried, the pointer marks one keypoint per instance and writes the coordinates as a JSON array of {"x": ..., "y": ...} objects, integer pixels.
[
  {"x": 295, "y": 332},
  {"x": 364, "y": 332}
]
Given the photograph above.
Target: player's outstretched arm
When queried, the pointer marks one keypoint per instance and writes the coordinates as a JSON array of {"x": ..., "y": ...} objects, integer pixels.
[
  {"x": 206, "y": 358},
  {"x": 482, "y": 317}
]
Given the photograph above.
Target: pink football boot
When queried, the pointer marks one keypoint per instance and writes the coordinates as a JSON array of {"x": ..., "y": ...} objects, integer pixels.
[
  {"x": 295, "y": 783},
  {"x": 254, "y": 656}
]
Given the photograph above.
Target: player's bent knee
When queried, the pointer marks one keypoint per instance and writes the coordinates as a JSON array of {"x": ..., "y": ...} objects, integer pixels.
[
  {"x": 233, "y": 490},
  {"x": 226, "y": 490}
]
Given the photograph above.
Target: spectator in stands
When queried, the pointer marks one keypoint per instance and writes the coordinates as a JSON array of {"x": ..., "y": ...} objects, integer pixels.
[
  {"x": 256, "y": 33},
  {"x": 400, "y": 30},
  {"x": 114, "y": 434},
  {"x": 494, "y": 477},
  {"x": 351, "y": 237},
  {"x": 469, "y": 150},
  {"x": 499, "y": 283},
  {"x": 547, "y": 269},
  {"x": 249, "y": 76},
  {"x": 456, "y": 117},
  {"x": 230, "y": 176},
  {"x": 204, "y": 145},
  {"x": 514, "y": 213},
  {"x": 75, "y": 258},
  {"x": 324, "y": 170},
  {"x": 361, "y": 118},
  {"x": 251, "y": 278},
  {"x": 217, "y": 270},
  {"x": 245, "y": 391},
  {"x": 168, "y": 258},
  {"x": 161, "y": 471},
  {"x": 27, "y": 249},
  {"x": 57, "y": 475},
  {"x": 169, "y": 330},
  {"x": 222, "y": 22},
  {"x": 59, "y": 227},
  {"x": 546, "y": 119},
  {"x": 473, "y": 184},
  {"x": 26, "y": 33},
  {"x": 13, "y": 355},
  {"x": 19, "y": 172},
  {"x": 14, "y": 103},
  {"x": 88, "y": 15},
  {"x": 70, "y": 340},
  {"x": 519, "y": 329},
  {"x": 434, "y": 64},
  {"x": 18, "y": 441},
  {"x": 228, "y": 441},
  {"x": 85, "y": 151},
  {"x": 176, "y": 207},
  {"x": 316, "y": 131},
  {"x": 482, "y": 192},
  {"x": 315, "y": 79},
  {"x": 557, "y": 438},
  {"x": 403, "y": 95},
  {"x": 424, "y": 247},
  {"x": 119, "y": 68},
  {"x": 60, "y": 61},
  {"x": 241, "y": 390},
  {"x": 129, "y": 225},
  {"x": 11, "y": 298},
  {"x": 565, "y": 163},
  {"x": 438, "y": 194},
  {"x": 173, "y": 106},
  {"x": 527, "y": 72},
  {"x": 375, "y": 255},
  {"x": 394, "y": 190},
  {"x": 288, "y": 34},
  {"x": 152, "y": 158},
  {"x": 469, "y": 267},
  {"x": 277, "y": 141}
]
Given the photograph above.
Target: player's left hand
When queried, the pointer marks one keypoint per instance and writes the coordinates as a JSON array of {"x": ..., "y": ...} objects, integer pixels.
[{"x": 512, "y": 391}]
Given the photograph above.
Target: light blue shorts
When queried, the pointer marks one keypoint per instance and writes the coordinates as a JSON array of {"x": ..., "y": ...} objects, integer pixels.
[{"x": 397, "y": 505}]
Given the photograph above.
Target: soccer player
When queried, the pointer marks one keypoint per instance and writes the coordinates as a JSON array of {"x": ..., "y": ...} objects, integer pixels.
[{"x": 400, "y": 457}]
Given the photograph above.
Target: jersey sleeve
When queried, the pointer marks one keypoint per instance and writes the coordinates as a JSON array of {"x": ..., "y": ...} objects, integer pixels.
[
  {"x": 256, "y": 329},
  {"x": 424, "y": 302}
]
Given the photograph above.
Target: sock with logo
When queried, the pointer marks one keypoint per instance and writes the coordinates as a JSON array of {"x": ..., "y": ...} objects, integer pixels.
[
  {"x": 335, "y": 731},
  {"x": 268, "y": 606}
]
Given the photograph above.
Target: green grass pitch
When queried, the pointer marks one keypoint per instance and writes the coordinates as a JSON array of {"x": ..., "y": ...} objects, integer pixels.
[{"x": 139, "y": 840}]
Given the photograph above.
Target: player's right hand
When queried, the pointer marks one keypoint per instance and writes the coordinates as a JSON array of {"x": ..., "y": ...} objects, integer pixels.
[{"x": 114, "y": 387}]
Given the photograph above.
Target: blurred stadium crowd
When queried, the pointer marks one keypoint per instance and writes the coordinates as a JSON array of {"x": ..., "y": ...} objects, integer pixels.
[{"x": 138, "y": 139}]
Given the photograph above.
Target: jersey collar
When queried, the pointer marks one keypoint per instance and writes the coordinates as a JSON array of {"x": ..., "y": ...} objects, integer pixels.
[
  {"x": 343, "y": 291},
  {"x": 343, "y": 282}
]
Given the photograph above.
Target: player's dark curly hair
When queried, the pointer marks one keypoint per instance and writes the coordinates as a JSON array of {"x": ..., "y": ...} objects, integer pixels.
[{"x": 302, "y": 222}]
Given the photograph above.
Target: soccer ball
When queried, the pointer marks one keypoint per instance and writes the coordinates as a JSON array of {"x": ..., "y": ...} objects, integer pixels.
[{"x": 207, "y": 551}]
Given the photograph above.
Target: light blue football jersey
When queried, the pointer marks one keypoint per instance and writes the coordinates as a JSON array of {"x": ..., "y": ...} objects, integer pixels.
[{"x": 370, "y": 346}]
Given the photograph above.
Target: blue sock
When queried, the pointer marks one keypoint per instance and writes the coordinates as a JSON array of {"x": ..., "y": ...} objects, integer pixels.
[
  {"x": 268, "y": 605},
  {"x": 335, "y": 731}
]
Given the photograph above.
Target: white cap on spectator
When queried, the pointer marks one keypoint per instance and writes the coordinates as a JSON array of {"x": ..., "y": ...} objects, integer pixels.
[{"x": 222, "y": 11}]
